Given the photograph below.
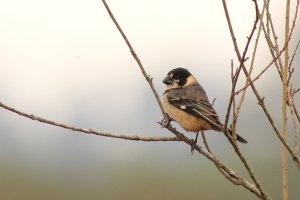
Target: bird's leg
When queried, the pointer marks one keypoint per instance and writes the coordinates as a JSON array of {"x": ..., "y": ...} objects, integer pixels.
[{"x": 194, "y": 143}]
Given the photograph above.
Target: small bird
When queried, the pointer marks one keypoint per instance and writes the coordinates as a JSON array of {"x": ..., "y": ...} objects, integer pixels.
[{"x": 186, "y": 102}]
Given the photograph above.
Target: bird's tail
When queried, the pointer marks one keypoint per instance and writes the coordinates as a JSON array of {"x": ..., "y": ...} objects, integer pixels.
[
  {"x": 218, "y": 127},
  {"x": 238, "y": 137},
  {"x": 241, "y": 139}
]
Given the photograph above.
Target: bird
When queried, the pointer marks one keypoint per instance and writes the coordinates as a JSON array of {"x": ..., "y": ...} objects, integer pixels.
[{"x": 186, "y": 102}]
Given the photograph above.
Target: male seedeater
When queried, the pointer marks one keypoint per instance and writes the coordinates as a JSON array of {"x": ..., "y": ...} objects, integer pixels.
[{"x": 186, "y": 102}]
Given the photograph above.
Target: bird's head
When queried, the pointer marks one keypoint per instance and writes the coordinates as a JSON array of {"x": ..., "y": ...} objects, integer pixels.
[{"x": 178, "y": 77}]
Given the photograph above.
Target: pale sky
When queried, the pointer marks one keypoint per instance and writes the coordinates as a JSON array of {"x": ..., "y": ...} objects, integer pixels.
[{"x": 59, "y": 58}]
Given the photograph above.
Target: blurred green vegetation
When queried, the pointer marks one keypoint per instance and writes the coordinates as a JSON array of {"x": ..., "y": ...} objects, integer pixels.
[{"x": 149, "y": 177}]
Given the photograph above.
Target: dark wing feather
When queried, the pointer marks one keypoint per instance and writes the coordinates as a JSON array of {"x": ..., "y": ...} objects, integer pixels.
[{"x": 198, "y": 108}]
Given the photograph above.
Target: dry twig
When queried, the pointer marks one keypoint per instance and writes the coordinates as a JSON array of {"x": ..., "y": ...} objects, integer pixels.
[
  {"x": 135, "y": 56},
  {"x": 283, "y": 107},
  {"x": 89, "y": 131},
  {"x": 258, "y": 96},
  {"x": 263, "y": 195}
]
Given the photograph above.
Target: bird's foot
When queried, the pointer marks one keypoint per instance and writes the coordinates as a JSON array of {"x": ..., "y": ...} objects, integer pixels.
[
  {"x": 165, "y": 122},
  {"x": 194, "y": 142},
  {"x": 193, "y": 147}
]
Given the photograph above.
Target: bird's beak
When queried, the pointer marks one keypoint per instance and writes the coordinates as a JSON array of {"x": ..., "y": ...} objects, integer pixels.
[{"x": 167, "y": 80}]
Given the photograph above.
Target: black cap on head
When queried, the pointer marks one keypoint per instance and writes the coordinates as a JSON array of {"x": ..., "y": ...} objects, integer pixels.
[
  {"x": 179, "y": 75},
  {"x": 180, "y": 72}
]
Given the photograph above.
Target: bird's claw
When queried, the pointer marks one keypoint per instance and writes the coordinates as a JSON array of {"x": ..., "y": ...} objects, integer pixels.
[
  {"x": 165, "y": 122},
  {"x": 193, "y": 147},
  {"x": 194, "y": 142}
]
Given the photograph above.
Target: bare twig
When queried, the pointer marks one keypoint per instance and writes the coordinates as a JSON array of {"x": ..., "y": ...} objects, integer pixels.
[
  {"x": 233, "y": 77},
  {"x": 291, "y": 70},
  {"x": 273, "y": 47},
  {"x": 229, "y": 172},
  {"x": 242, "y": 60},
  {"x": 89, "y": 131},
  {"x": 276, "y": 47},
  {"x": 294, "y": 54},
  {"x": 259, "y": 98},
  {"x": 277, "y": 57},
  {"x": 291, "y": 97},
  {"x": 284, "y": 100},
  {"x": 227, "y": 176},
  {"x": 147, "y": 76},
  {"x": 242, "y": 98},
  {"x": 250, "y": 82},
  {"x": 205, "y": 142},
  {"x": 263, "y": 195},
  {"x": 294, "y": 122}
]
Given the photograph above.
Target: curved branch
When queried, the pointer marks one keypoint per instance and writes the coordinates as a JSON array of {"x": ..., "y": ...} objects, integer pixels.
[
  {"x": 147, "y": 76},
  {"x": 89, "y": 131},
  {"x": 237, "y": 179}
]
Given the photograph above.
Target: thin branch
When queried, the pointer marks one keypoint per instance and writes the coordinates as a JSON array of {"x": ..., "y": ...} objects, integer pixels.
[
  {"x": 294, "y": 122},
  {"x": 250, "y": 82},
  {"x": 276, "y": 47},
  {"x": 242, "y": 60},
  {"x": 263, "y": 195},
  {"x": 285, "y": 191},
  {"x": 294, "y": 54},
  {"x": 89, "y": 131},
  {"x": 259, "y": 98},
  {"x": 227, "y": 176},
  {"x": 277, "y": 57},
  {"x": 291, "y": 95},
  {"x": 273, "y": 47},
  {"x": 291, "y": 70},
  {"x": 205, "y": 142},
  {"x": 233, "y": 128},
  {"x": 146, "y": 76},
  {"x": 239, "y": 180},
  {"x": 242, "y": 98}
]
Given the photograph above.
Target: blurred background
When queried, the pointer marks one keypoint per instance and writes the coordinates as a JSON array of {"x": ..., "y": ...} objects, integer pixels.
[{"x": 65, "y": 61}]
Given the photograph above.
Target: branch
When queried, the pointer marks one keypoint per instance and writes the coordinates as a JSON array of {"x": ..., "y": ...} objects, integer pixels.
[
  {"x": 242, "y": 98},
  {"x": 89, "y": 131},
  {"x": 273, "y": 48},
  {"x": 238, "y": 180},
  {"x": 294, "y": 54},
  {"x": 251, "y": 81},
  {"x": 276, "y": 47},
  {"x": 146, "y": 76},
  {"x": 275, "y": 58},
  {"x": 291, "y": 70},
  {"x": 227, "y": 176},
  {"x": 295, "y": 116},
  {"x": 284, "y": 102},
  {"x": 259, "y": 98},
  {"x": 263, "y": 195},
  {"x": 242, "y": 60},
  {"x": 291, "y": 97}
]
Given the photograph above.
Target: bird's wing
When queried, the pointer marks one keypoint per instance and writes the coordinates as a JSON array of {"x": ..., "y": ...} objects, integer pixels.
[{"x": 199, "y": 108}]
